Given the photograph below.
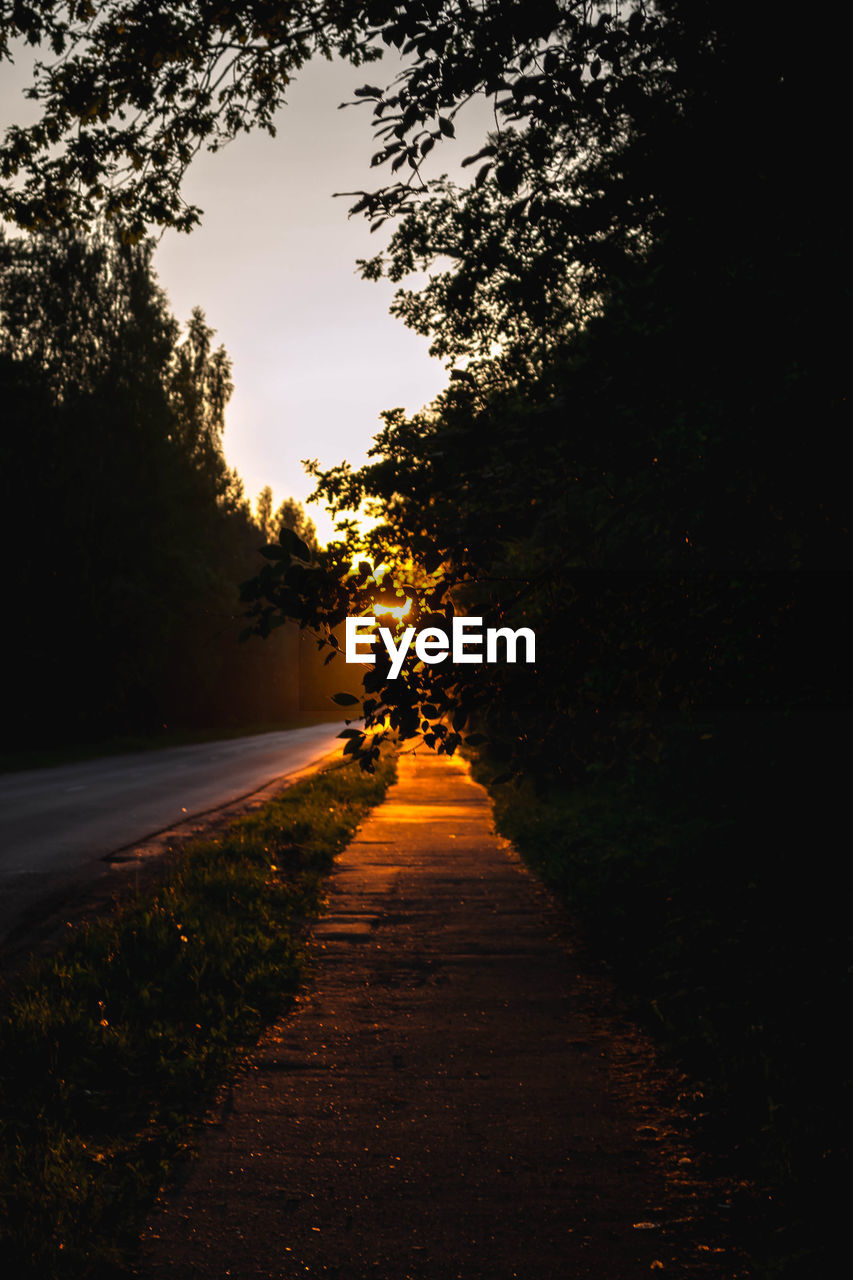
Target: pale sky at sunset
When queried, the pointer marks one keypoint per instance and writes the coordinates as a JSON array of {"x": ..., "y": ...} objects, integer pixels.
[{"x": 316, "y": 356}]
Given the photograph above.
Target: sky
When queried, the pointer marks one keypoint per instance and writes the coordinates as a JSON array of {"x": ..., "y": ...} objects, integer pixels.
[{"x": 316, "y": 356}]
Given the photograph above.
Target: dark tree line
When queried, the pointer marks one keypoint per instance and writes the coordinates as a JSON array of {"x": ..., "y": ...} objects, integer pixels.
[{"x": 126, "y": 534}]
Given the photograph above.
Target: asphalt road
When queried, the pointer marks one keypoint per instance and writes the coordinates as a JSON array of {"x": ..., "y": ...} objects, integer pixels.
[{"x": 57, "y": 824}]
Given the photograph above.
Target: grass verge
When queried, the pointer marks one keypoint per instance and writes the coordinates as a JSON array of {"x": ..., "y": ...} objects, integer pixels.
[
  {"x": 710, "y": 884},
  {"x": 112, "y": 1048}
]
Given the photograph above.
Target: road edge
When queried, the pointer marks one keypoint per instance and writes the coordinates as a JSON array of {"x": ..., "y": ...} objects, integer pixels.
[{"x": 114, "y": 876}]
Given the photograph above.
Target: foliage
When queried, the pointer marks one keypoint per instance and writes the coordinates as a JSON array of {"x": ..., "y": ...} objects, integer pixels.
[
  {"x": 729, "y": 953},
  {"x": 290, "y": 515},
  {"x": 668, "y": 546},
  {"x": 113, "y": 1047},
  {"x": 125, "y": 530},
  {"x": 129, "y": 93},
  {"x": 609, "y": 412},
  {"x": 617, "y": 461}
]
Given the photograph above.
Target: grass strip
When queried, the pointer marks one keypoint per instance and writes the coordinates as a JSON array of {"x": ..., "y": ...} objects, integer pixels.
[
  {"x": 112, "y": 1048},
  {"x": 706, "y": 885}
]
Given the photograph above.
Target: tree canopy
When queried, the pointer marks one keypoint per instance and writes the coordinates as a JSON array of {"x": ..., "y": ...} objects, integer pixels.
[
  {"x": 631, "y": 226},
  {"x": 125, "y": 531},
  {"x": 130, "y": 91},
  {"x": 636, "y": 337}
]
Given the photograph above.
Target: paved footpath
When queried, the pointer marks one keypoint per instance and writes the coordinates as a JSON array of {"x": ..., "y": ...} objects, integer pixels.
[{"x": 447, "y": 1099}]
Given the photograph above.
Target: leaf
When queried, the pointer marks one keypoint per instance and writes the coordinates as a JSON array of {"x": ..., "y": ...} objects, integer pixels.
[
  {"x": 508, "y": 177},
  {"x": 294, "y": 544},
  {"x": 344, "y": 699},
  {"x": 350, "y": 733}
]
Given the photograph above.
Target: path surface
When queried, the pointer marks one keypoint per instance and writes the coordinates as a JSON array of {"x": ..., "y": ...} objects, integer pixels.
[
  {"x": 445, "y": 1101},
  {"x": 58, "y": 823}
]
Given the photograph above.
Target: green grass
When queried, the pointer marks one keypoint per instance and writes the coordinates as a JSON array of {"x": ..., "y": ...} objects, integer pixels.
[{"x": 111, "y": 1049}]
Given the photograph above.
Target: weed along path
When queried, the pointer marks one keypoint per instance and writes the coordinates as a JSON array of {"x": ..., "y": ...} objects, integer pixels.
[{"x": 448, "y": 1099}]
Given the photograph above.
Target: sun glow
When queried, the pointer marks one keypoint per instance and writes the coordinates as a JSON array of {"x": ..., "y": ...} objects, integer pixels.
[
  {"x": 398, "y": 611},
  {"x": 384, "y": 578}
]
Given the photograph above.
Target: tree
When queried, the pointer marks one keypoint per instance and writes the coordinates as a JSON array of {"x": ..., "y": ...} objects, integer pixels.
[
  {"x": 263, "y": 512},
  {"x": 132, "y": 92},
  {"x": 616, "y": 456},
  {"x": 200, "y": 387},
  {"x": 126, "y": 533},
  {"x": 291, "y": 515},
  {"x": 598, "y": 313}
]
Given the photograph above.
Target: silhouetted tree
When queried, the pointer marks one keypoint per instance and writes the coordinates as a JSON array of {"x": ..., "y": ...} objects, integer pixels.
[
  {"x": 123, "y": 583},
  {"x": 263, "y": 512},
  {"x": 291, "y": 515}
]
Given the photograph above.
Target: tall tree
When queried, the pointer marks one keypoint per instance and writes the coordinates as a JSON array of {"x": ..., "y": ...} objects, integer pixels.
[
  {"x": 126, "y": 533},
  {"x": 291, "y": 515},
  {"x": 263, "y": 512}
]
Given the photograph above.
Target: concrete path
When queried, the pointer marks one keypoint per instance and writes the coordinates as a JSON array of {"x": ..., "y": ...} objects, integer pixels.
[
  {"x": 57, "y": 824},
  {"x": 446, "y": 1100}
]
